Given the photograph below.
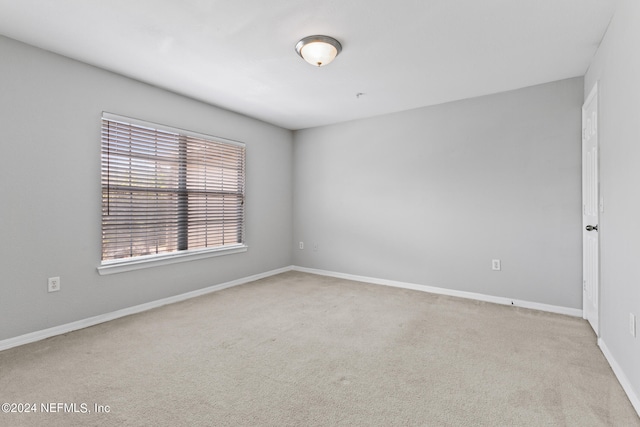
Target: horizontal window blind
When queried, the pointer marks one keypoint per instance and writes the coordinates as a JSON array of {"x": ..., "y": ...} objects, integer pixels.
[{"x": 167, "y": 191}]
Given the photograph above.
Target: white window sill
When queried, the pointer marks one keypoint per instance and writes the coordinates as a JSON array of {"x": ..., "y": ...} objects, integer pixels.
[{"x": 137, "y": 263}]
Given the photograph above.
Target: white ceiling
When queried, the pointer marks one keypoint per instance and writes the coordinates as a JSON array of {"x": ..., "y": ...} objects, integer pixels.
[{"x": 239, "y": 54}]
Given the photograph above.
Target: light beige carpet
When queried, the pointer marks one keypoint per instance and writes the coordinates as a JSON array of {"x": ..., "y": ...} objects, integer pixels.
[{"x": 304, "y": 350}]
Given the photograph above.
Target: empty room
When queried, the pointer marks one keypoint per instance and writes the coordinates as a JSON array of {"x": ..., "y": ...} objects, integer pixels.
[{"x": 319, "y": 213}]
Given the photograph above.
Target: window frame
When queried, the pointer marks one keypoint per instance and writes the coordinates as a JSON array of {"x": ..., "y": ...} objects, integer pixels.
[{"x": 144, "y": 261}]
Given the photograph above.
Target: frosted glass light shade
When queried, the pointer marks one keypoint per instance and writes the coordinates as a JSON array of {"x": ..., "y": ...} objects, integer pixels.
[{"x": 318, "y": 50}]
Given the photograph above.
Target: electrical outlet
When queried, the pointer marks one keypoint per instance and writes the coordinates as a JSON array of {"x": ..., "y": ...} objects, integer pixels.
[
  {"x": 54, "y": 284},
  {"x": 315, "y": 247},
  {"x": 301, "y": 245},
  {"x": 496, "y": 265},
  {"x": 632, "y": 324}
]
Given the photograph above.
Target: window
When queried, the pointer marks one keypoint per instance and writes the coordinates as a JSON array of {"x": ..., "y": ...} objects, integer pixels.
[{"x": 168, "y": 192}]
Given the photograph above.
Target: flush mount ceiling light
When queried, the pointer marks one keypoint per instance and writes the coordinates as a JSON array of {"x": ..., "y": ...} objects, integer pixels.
[{"x": 318, "y": 50}]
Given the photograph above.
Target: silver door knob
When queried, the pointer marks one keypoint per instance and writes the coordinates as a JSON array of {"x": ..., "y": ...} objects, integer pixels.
[{"x": 591, "y": 227}]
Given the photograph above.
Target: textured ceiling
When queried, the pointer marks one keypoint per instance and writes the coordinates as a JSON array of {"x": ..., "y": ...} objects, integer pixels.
[{"x": 400, "y": 54}]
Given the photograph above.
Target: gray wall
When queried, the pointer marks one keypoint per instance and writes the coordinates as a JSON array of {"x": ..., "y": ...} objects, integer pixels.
[
  {"x": 617, "y": 67},
  {"x": 50, "y": 202},
  {"x": 431, "y": 196}
]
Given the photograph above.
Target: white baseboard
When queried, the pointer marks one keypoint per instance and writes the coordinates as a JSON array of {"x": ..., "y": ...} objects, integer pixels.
[
  {"x": 84, "y": 323},
  {"x": 91, "y": 321},
  {"x": 622, "y": 378},
  {"x": 450, "y": 292}
]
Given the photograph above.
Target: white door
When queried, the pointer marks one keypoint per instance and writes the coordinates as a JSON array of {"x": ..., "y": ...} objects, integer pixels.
[{"x": 590, "y": 210}]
